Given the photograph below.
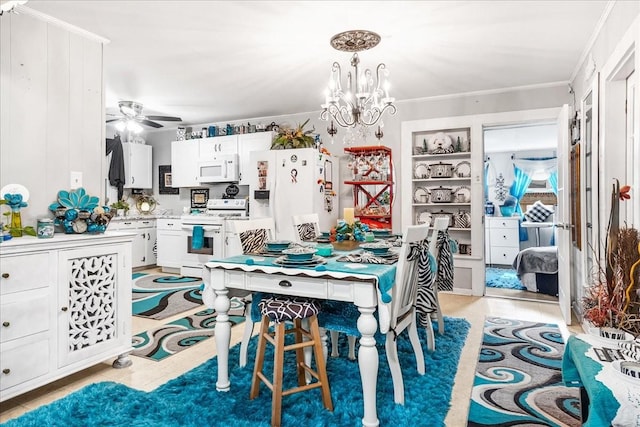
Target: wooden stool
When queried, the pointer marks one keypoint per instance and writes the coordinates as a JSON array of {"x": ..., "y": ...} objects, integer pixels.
[{"x": 281, "y": 309}]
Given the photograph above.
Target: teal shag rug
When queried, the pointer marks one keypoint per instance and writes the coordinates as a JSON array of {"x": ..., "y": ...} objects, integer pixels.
[
  {"x": 504, "y": 278},
  {"x": 518, "y": 380},
  {"x": 191, "y": 400}
]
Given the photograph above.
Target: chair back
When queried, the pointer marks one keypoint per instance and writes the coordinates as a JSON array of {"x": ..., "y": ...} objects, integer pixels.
[
  {"x": 441, "y": 224},
  {"x": 406, "y": 283},
  {"x": 306, "y": 227},
  {"x": 253, "y": 234}
]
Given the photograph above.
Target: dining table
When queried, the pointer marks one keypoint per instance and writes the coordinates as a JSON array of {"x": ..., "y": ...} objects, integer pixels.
[{"x": 368, "y": 286}]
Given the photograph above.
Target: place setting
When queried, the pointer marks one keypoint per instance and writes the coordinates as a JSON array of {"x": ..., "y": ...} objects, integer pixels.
[
  {"x": 372, "y": 253},
  {"x": 300, "y": 256}
]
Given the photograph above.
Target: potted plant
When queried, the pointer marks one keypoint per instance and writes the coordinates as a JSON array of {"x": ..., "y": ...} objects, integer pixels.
[
  {"x": 121, "y": 207},
  {"x": 294, "y": 138}
]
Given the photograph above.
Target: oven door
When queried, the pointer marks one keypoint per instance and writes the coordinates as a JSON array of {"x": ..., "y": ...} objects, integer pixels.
[{"x": 193, "y": 259}]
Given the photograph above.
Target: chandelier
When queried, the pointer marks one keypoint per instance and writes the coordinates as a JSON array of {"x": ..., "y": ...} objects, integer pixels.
[{"x": 365, "y": 100}]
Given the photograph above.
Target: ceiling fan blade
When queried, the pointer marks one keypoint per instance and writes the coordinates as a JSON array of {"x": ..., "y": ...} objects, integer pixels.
[
  {"x": 114, "y": 120},
  {"x": 164, "y": 118},
  {"x": 150, "y": 123}
]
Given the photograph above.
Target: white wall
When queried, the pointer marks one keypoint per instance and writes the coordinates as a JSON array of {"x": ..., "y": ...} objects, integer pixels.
[{"x": 51, "y": 110}]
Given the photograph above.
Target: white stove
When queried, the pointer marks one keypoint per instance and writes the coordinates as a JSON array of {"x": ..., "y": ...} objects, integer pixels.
[{"x": 203, "y": 233}]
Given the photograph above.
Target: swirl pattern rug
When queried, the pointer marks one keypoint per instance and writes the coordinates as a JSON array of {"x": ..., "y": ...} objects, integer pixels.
[
  {"x": 518, "y": 379},
  {"x": 169, "y": 339},
  {"x": 158, "y": 296}
]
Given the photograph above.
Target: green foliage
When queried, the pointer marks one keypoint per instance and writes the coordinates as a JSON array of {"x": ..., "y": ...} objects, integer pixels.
[
  {"x": 294, "y": 138},
  {"x": 120, "y": 204}
]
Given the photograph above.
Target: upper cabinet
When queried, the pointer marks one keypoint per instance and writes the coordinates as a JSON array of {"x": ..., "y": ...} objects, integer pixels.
[
  {"x": 210, "y": 147},
  {"x": 137, "y": 165}
]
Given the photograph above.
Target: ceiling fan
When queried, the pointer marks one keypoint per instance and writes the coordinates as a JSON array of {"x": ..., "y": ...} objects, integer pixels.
[{"x": 131, "y": 117}]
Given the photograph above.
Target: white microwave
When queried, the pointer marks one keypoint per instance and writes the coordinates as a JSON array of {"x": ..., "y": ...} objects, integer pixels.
[{"x": 221, "y": 168}]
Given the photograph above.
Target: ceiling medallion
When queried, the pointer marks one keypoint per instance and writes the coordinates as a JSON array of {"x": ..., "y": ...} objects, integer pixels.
[{"x": 355, "y": 40}]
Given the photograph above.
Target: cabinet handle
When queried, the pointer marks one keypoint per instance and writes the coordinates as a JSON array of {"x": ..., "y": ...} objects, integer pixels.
[
  {"x": 6, "y": 371},
  {"x": 143, "y": 259},
  {"x": 148, "y": 236},
  {"x": 5, "y": 275},
  {"x": 6, "y": 324},
  {"x": 170, "y": 224},
  {"x": 64, "y": 308},
  {"x": 133, "y": 179},
  {"x": 285, "y": 283}
]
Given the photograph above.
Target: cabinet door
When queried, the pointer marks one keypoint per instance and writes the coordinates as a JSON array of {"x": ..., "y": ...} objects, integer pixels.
[
  {"x": 150, "y": 257},
  {"x": 248, "y": 142},
  {"x": 209, "y": 147},
  {"x": 137, "y": 165},
  {"x": 94, "y": 305},
  {"x": 184, "y": 163},
  {"x": 170, "y": 248}
]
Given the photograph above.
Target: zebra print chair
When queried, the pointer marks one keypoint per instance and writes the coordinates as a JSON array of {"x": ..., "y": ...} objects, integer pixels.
[
  {"x": 427, "y": 304},
  {"x": 253, "y": 235},
  {"x": 307, "y": 228}
]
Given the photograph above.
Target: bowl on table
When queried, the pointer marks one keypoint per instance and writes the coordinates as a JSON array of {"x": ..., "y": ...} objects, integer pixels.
[
  {"x": 277, "y": 245},
  {"x": 324, "y": 250},
  {"x": 377, "y": 248},
  {"x": 300, "y": 253}
]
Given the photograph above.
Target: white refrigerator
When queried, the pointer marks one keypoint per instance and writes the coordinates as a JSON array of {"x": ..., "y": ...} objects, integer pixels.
[{"x": 300, "y": 181}]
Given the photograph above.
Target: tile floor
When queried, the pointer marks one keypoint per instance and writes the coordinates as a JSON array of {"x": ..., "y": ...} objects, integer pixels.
[{"x": 147, "y": 375}]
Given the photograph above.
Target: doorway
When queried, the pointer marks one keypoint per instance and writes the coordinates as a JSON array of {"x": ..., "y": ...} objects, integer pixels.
[{"x": 521, "y": 156}]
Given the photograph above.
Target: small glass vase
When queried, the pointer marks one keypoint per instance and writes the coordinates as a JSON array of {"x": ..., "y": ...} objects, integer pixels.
[{"x": 15, "y": 227}]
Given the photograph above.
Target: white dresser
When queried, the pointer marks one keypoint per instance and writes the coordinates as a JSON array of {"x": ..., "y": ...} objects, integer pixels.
[
  {"x": 502, "y": 240},
  {"x": 65, "y": 305}
]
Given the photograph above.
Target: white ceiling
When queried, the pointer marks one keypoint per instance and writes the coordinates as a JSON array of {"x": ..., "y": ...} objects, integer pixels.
[{"x": 217, "y": 61}]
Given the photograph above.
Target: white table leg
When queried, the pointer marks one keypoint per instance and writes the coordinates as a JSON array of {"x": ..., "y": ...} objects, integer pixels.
[
  {"x": 368, "y": 362},
  {"x": 223, "y": 338}
]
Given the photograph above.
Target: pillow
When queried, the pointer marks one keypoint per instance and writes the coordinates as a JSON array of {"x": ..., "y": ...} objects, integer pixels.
[
  {"x": 307, "y": 231},
  {"x": 538, "y": 212}
]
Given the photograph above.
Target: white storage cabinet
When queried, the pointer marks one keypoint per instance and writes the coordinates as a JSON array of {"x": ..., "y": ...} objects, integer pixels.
[
  {"x": 502, "y": 239},
  {"x": 50, "y": 324},
  {"x": 144, "y": 242},
  {"x": 171, "y": 243},
  {"x": 138, "y": 169}
]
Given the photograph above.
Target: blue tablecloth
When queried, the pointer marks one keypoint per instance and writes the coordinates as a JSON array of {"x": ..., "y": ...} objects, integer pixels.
[
  {"x": 385, "y": 274},
  {"x": 581, "y": 368}
]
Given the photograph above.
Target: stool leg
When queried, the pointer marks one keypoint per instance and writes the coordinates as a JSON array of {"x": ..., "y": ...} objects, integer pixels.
[
  {"x": 278, "y": 365},
  {"x": 300, "y": 356},
  {"x": 320, "y": 363},
  {"x": 259, "y": 362}
]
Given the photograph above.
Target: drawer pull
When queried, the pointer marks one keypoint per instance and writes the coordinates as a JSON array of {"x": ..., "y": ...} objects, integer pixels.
[
  {"x": 285, "y": 283},
  {"x": 64, "y": 308},
  {"x": 5, "y": 275},
  {"x": 6, "y": 324},
  {"x": 6, "y": 371}
]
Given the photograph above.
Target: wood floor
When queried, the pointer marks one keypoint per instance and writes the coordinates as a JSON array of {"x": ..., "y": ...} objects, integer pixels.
[{"x": 146, "y": 374}]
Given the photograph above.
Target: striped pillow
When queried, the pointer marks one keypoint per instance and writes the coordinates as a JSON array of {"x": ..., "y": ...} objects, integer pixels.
[{"x": 538, "y": 212}]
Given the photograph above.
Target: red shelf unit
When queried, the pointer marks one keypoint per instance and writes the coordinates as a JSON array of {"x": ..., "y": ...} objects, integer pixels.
[{"x": 372, "y": 172}]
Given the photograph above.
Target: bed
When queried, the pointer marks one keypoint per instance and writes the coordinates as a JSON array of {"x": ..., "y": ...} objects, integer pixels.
[{"x": 537, "y": 269}]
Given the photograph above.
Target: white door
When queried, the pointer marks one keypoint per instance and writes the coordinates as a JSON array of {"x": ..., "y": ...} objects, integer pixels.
[{"x": 563, "y": 217}]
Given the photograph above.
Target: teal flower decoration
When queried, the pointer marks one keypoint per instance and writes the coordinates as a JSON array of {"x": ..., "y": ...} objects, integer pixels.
[
  {"x": 15, "y": 201},
  {"x": 77, "y": 199}
]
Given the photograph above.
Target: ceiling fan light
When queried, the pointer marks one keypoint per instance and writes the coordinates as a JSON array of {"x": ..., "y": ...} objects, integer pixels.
[
  {"x": 121, "y": 126},
  {"x": 134, "y": 127}
]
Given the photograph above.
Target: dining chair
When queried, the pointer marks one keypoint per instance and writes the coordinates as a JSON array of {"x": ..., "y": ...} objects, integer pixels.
[
  {"x": 427, "y": 303},
  {"x": 401, "y": 310},
  {"x": 253, "y": 235},
  {"x": 307, "y": 228}
]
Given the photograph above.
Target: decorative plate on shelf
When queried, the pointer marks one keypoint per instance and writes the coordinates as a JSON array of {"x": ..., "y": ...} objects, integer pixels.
[
  {"x": 463, "y": 170},
  {"x": 421, "y": 171},
  {"x": 421, "y": 195},
  {"x": 462, "y": 194},
  {"x": 423, "y": 218}
]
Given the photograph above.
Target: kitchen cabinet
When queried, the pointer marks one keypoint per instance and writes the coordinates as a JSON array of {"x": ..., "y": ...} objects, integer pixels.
[
  {"x": 502, "y": 240},
  {"x": 65, "y": 305},
  {"x": 170, "y": 245},
  {"x": 184, "y": 163},
  {"x": 210, "y": 147},
  {"x": 372, "y": 180},
  {"x": 248, "y": 142},
  {"x": 144, "y": 242},
  {"x": 444, "y": 158},
  {"x": 138, "y": 169}
]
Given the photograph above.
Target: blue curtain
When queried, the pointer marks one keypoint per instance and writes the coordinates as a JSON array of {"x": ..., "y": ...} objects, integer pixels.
[
  {"x": 486, "y": 180},
  {"x": 553, "y": 180},
  {"x": 518, "y": 189}
]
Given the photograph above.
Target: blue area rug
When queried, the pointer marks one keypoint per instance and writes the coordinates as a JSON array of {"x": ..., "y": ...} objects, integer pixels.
[
  {"x": 504, "y": 278},
  {"x": 158, "y": 296},
  {"x": 192, "y": 400},
  {"x": 518, "y": 379}
]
